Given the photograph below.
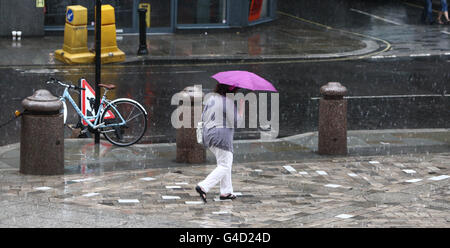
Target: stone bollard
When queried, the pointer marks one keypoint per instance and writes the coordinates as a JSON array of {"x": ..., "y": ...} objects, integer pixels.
[
  {"x": 42, "y": 135},
  {"x": 333, "y": 120},
  {"x": 188, "y": 150}
]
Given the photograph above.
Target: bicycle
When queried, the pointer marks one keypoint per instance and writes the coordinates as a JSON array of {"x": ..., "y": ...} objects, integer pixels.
[{"x": 122, "y": 122}]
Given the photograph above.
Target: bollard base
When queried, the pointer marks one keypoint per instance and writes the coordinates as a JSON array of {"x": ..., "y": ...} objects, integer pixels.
[
  {"x": 191, "y": 156},
  {"x": 42, "y": 145},
  {"x": 142, "y": 50},
  {"x": 112, "y": 56},
  {"x": 76, "y": 58},
  {"x": 188, "y": 150},
  {"x": 332, "y": 127}
]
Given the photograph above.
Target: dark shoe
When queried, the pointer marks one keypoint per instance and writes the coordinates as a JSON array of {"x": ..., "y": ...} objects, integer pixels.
[
  {"x": 201, "y": 193},
  {"x": 229, "y": 196}
]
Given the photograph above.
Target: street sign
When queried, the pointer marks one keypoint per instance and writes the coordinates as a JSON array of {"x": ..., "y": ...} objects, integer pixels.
[
  {"x": 88, "y": 102},
  {"x": 69, "y": 15}
]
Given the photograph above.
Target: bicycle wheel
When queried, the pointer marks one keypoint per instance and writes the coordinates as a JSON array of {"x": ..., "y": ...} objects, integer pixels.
[{"x": 135, "y": 122}]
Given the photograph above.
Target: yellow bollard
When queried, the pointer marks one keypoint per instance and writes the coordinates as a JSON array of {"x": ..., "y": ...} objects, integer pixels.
[
  {"x": 109, "y": 50},
  {"x": 75, "y": 48}
]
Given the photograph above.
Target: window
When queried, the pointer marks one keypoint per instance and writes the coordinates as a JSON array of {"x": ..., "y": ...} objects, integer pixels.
[{"x": 201, "y": 12}]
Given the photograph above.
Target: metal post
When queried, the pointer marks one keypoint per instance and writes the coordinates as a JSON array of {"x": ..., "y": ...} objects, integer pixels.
[
  {"x": 98, "y": 39},
  {"x": 142, "y": 33}
]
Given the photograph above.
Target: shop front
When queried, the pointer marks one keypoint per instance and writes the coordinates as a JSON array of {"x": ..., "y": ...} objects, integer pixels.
[{"x": 166, "y": 16}]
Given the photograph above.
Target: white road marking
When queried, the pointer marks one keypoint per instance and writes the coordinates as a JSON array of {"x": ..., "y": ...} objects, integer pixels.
[
  {"x": 128, "y": 201},
  {"x": 389, "y": 96},
  {"x": 413, "y": 180},
  {"x": 323, "y": 173},
  {"x": 221, "y": 212},
  {"x": 170, "y": 197},
  {"x": 376, "y": 17},
  {"x": 289, "y": 168},
  {"x": 384, "y": 57},
  {"x": 193, "y": 202},
  {"x": 344, "y": 216},
  {"x": 173, "y": 187},
  {"x": 333, "y": 185},
  {"x": 91, "y": 194},
  {"x": 43, "y": 188},
  {"x": 438, "y": 178},
  {"x": 420, "y": 55},
  {"x": 147, "y": 179}
]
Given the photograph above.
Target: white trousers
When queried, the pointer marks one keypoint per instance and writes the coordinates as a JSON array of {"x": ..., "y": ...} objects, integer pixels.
[{"x": 222, "y": 173}]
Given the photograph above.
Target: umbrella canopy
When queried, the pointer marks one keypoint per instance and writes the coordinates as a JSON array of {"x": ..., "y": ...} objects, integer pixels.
[{"x": 244, "y": 79}]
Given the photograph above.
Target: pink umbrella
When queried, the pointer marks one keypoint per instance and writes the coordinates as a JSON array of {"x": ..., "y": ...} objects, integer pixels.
[{"x": 244, "y": 79}]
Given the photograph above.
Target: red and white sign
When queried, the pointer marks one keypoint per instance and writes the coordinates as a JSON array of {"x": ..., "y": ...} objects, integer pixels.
[
  {"x": 255, "y": 10},
  {"x": 87, "y": 103}
]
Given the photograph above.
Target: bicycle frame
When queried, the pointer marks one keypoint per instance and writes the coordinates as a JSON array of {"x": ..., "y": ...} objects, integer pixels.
[{"x": 99, "y": 113}]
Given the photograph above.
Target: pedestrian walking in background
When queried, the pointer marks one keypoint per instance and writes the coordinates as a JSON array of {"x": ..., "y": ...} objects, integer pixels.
[
  {"x": 443, "y": 12},
  {"x": 218, "y": 134},
  {"x": 427, "y": 13}
]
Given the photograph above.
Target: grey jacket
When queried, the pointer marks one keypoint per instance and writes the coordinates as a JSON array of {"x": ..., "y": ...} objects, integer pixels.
[{"x": 218, "y": 129}]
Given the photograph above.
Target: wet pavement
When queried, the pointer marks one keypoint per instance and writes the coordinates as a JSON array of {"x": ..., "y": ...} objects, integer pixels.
[
  {"x": 391, "y": 178},
  {"x": 396, "y": 174}
]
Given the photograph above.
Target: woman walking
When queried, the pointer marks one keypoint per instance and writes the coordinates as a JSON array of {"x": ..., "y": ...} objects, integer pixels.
[
  {"x": 220, "y": 116},
  {"x": 443, "y": 12}
]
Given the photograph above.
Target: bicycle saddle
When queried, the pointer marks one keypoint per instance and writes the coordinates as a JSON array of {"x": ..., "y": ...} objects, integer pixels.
[{"x": 107, "y": 86}]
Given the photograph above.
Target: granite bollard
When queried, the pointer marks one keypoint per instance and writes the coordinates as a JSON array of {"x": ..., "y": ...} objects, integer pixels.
[
  {"x": 42, "y": 135},
  {"x": 333, "y": 120},
  {"x": 188, "y": 150}
]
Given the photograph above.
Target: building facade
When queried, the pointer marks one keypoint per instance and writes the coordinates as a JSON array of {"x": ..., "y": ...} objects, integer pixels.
[{"x": 166, "y": 16}]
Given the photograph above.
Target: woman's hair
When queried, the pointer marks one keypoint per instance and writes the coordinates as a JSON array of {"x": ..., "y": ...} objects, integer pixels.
[{"x": 223, "y": 89}]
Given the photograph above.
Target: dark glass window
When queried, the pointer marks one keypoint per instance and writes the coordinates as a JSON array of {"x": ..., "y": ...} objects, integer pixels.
[
  {"x": 201, "y": 12},
  {"x": 159, "y": 12}
]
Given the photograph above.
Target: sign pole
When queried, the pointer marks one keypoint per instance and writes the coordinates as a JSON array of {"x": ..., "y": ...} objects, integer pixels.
[{"x": 98, "y": 35}]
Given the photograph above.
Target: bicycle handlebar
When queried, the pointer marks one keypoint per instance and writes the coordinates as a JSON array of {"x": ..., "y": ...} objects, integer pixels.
[{"x": 70, "y": 86}]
